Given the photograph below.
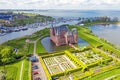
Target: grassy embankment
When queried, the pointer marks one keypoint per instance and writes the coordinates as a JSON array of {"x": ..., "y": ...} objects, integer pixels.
[
  {"x": 27, "y": 48},
  {"x": 23, "y": 47},
  {"x": 105, "y": 75},
  {"x": 39, "y": 47},
  {"x": 85, "y": 33},
  {"x": 100, "y": 22},
  {"x": 13, "y": 70},
  {"x": 95, "y": 41}
]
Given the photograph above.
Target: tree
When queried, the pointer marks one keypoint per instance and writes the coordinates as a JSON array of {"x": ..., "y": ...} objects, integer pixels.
[{"x": 7, "y": 56}]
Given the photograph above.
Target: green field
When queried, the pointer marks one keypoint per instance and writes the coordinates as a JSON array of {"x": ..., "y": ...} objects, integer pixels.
[
  {"x": 106, "y": 75},
  {"x": 31, "y": 47},
  {"x": 21, "y": 45},
  {"x": 14, "y": 70},
  {"x": 40, "y": 48},
  {"x": 26, "y": 71}
]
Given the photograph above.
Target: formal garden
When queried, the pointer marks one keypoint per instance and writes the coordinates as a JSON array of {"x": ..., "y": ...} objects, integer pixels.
[
  {"x": 78, "y": 64},
  {"x": 58, "y": 64},
  {"x": 91, "y": 57}
]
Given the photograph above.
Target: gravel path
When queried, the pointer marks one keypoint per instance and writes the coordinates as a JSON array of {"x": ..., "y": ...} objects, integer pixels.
[{"x": 21, "y": 70}]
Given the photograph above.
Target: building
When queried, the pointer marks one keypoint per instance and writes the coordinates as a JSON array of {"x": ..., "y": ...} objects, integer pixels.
[
  {"x": 61, "y": 35},
  {"x": 12, "y": 16}
]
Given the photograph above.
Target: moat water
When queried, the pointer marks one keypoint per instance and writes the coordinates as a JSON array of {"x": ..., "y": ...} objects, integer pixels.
[{"x": 51, "y": 47}]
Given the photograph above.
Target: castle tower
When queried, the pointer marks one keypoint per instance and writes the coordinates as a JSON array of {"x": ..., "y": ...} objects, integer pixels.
[
  {"x": 62, "y": 35},
  {"x": 75, "y": 35}
]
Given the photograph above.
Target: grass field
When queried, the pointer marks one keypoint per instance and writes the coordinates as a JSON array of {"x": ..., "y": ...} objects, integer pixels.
[
  {"x": 26, "y": 71},
  {"x": 40, "y": 48},
  {"x": 105, "y": 75},
  {"x": 31, "y": 47},
  {"x": 13, "y": 70},
  {"x": 21, "y": 45}
]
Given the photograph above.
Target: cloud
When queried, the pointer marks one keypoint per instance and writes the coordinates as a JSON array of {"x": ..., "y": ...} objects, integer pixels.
[{"x": 59, "y": 4}]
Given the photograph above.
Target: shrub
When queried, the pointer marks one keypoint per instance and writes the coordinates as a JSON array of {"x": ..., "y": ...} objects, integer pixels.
[{"x": 18, "y": 56}]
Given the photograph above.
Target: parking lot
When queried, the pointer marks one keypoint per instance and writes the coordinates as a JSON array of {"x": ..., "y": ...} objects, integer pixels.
[{"x": 38, "y": 71}]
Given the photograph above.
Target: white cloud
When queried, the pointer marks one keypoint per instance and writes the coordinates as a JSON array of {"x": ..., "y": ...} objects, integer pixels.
[{"x": 59, "y": 4}]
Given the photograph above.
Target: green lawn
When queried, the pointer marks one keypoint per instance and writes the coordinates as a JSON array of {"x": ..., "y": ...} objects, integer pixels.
[
  {"x": 26, "y": 70},
  {"x": 13, "y": 70},
  {"x": 31, "y": 48},
  {"x": 20, "y": 44},
  {"x": 40, "y": 48},
  {"x": 99, "y": 22},
  {"x": 104, "y": 75}
]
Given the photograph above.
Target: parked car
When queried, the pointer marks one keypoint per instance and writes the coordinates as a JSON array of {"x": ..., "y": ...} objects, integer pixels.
[
  {"x": 33, "y": 59},
  {"x": 35, "y": 67},
  {"x": 35, "y": 73},
  {"x": 38, "y": 78}
]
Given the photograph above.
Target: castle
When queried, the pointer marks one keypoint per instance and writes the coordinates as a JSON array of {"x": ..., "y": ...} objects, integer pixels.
[{"x": 61, "y": 35}]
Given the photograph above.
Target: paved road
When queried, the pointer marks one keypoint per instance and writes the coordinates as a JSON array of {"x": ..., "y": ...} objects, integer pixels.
[
  {"x": 41, "y": 70},
  {"x": 71, "y": 45}
]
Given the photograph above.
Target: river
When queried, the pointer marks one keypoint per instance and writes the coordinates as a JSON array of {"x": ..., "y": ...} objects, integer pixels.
[
  {"x": 30, "y": 31},
  {"x": 110, "y": 34}
]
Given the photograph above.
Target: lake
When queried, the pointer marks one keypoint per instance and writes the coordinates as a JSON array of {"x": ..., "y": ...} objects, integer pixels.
[
  {"x": 109, "y": 32},
  {"x": 77, "y": 13}
]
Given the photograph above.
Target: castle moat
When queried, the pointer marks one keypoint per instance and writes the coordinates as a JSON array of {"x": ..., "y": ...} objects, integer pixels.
[{"x": 51, "y": 47}]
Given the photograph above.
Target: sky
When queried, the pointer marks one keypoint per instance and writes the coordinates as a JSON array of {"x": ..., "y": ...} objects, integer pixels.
[{"x": 61, "y": 4}]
